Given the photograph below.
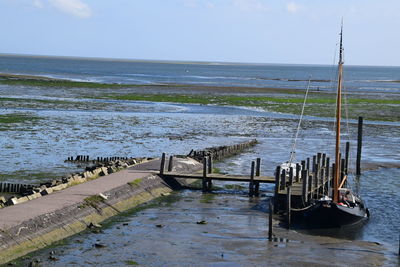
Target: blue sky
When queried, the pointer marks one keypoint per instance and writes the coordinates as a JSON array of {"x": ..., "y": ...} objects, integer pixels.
[{"x": 260, "y": 31}]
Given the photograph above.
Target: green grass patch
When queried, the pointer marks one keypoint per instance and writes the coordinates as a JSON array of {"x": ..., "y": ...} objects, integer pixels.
[
  {"x": 318, "y": 104},
  {"x": 94, "y": 201},
  {"x": 17, "y": 118},
  {"x": 207, "y": 198},
  {"x": 135, "y": 182},
  {"x": 131, "y": 262}
]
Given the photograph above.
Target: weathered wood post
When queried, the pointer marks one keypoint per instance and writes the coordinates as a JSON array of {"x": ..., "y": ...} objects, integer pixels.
[
  {"x": 251, "y": 183},
  {"x": 310, "y": 184},
  {"x": 258, "y": 173},
  {"x": 297, "y": 172},
  {"x": 316, "y": 178},
  {"x": 359, "y": 145},
  {"x": 346, "y": 164},
  {"x": 170, "y": 163},
  {"x": 283, "y": 180},
  {"x": 162, "y": 165},
  {"x": 209, "y": 170},
  {"x": 290, "y": 176},
  {"x": 210, "y": 164},
  {"x": 308, "y": 164},
  {"x": 271, "y": 209},
  {"x": 288, "y": 205},
  {"x": 305, "y": 185},
  {"x": 204, "y": 180},
  {"x": 342, "y": 169},
  {"x": 277, "y": 186}
]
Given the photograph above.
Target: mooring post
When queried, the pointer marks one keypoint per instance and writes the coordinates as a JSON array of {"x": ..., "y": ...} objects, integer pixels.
[
  {"x": 258, "y": 173},
  {"x": 288, "y": 205},
  {"x": 170, "y": 163},
  {"x": 277, "y": 186},
  {"x": 308, "y": 164},
  {"x": 210, "y": 164},
  {"x": 162, "y": 165},
  {"x": 290, "y": 176},
  {"x": 342, "y": 169},
  {"x": 297, "y": 172},
  {"x": 305, "y": 186},
  {"x": 251, "y": 183},
  {"x": 317, "y": 178},
  {"x": 359, "y": 145},
  {"x": 346, "y": 164},
  {"x": 204, "y": 180},
  {"x": 310, "y": 185},
  {"x": 271, "y": 209},
  {"x": 283, "y": 180}
]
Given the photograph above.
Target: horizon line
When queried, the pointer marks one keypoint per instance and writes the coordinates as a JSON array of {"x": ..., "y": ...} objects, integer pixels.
[{"x": 171, "y": 61}]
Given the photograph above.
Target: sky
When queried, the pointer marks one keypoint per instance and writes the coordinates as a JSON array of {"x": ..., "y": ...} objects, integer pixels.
[{"x": 252, "y": 31}]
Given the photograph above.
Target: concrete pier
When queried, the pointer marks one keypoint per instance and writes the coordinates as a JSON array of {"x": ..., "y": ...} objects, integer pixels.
[{"x": 38, "y": 223}]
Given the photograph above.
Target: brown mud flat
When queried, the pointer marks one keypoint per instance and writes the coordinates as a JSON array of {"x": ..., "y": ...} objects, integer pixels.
[{"x": 221, "y": 229}]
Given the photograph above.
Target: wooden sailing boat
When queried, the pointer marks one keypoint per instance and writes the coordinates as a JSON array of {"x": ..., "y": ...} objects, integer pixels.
[{"x": 342, "y": 207}]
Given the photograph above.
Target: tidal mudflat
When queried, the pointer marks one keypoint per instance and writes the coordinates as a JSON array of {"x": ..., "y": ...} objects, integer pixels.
[{"x": 42, "y": 126}]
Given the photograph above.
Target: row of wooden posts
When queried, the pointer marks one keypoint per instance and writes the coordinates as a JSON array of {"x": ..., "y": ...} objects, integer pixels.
[
  {"x": 314, "y": 176},
  {"x": 254, "y": 186},
  {"x": 14, "y": 187},
  {"x": 85, "y": 158}
]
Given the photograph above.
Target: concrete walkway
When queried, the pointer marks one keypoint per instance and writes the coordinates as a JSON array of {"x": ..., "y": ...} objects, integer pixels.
[{"x": 15, "y": 215}]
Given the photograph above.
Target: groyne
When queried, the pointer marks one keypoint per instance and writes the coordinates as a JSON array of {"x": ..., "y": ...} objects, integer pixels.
[{"x": 84, "y": 200}]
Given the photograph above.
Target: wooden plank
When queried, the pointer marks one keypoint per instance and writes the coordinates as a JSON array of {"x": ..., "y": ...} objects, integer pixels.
[{"x": 221, "y": 177}]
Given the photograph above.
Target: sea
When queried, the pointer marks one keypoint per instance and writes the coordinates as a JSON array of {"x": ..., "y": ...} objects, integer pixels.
[
  {"x": 357, "y": 78},
  {"x": 35, "y": 151}
]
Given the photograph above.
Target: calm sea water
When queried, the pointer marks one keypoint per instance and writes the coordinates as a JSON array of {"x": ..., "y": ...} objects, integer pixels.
[{"x": 357, "y": 78}]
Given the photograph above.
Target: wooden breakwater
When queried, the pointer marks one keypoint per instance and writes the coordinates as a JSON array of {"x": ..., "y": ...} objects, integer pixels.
[
  {"x": 220, "y": 152},
  {"x": 87, "y": 159}
]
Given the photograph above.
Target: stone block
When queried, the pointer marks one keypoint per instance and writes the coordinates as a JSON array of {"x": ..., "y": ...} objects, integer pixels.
[
  {"x": 46, "y": 191},
  {"x": 33, "y": 196},
  {"x": 12, "y": 201},
  {"x": 22, "y": 199}
]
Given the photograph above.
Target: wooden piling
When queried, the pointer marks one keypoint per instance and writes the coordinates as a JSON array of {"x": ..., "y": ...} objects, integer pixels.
[
  {"x": 290, "y": 176},
  {"x": 170, "y": 163},
  {"x": 308, "y": 164},
  {"x": 346, "y": 163},
  {"x": 283, "y": 180},
  {"x": 359, "y": 145},
  {"x": 251, "y": 183},
  {"x": 277, "y": 186},
  {"x": 305, "y": 186},
  {"x": 297, "y": 174},
  {"x": 162, "y": 165},
  {"x": 210, "y": 164},
  {"x": 271, "y": 209},
  {"x": 288, "y": 206},
  {"x": 258, "y": 173},
  {"x": 204, "y": 180}
]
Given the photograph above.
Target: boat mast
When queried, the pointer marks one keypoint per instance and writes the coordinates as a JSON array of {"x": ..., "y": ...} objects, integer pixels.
[{"x": 338, "y": 116}]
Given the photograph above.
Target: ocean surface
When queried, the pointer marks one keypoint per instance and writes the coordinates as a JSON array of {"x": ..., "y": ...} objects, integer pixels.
[
  {"x": 357, "y": 78},
  {"x": 35, "y": 151}
]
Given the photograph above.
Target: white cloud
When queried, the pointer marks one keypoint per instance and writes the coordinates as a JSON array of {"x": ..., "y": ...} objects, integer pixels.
[
  {"x": 292, "y": 7},
  {"x": 249, "y": 5},
  {"x": 73, "y": 7}
]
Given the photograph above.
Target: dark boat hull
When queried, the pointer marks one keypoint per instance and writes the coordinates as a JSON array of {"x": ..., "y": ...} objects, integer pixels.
[{"x": 329, "y": 214}]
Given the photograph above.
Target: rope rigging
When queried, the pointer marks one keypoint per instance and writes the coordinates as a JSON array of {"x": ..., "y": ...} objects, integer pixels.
[{"x": 293, "y": 151}]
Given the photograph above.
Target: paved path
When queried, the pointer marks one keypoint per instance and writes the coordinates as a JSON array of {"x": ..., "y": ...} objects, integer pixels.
[{"x": 14, "y": 215}]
